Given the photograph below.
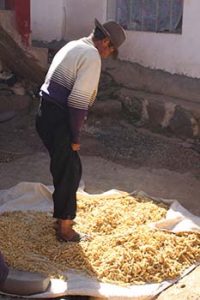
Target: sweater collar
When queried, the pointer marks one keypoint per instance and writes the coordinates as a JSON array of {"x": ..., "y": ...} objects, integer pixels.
[{"x": 88, "y": 40}]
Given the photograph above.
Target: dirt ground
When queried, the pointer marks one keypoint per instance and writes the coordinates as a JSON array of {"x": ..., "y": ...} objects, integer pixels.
[{"x": 116, "y": 155}]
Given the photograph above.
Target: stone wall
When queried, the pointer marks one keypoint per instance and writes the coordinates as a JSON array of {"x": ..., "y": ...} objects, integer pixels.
[{"x": 155, "y": 99}]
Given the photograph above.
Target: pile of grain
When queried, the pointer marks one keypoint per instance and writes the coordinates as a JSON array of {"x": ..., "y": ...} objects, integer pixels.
[{"x": 123, "y": 249}]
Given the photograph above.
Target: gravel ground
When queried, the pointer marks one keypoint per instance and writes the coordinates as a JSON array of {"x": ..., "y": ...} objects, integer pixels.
[
  {"x": 137, "y": 147},
  {"x": 115, "y": 140}
]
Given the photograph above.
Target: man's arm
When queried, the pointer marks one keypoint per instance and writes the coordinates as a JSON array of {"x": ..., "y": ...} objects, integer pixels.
[{"x": 83, "y": 94}]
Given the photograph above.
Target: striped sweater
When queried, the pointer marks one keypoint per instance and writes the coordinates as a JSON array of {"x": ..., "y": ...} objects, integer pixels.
[{"x": 72, "y": 81}]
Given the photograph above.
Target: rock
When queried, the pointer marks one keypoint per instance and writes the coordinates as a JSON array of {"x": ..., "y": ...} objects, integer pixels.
[
  {"x": 14, "y": 102},
  {"x": 7, "y": 115},
  {"x": 132, "y": 107},
  {"x": 24, "y": 283},
  {"x": 7, "y": 78},
  {"x": 18, "y": 89},
  {"x": 106, "y": 108},
  {"x": 156, "y": 113},
  {"x": 180, "y": 123}
]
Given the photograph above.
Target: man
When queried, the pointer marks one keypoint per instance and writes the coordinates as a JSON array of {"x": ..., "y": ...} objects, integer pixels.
[{"x": 69, "y": 89}]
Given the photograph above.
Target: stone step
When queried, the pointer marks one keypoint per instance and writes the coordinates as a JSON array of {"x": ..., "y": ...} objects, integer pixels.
[
  {"x": 161, "y": 113},
  {"x": 164, "y": 102}
]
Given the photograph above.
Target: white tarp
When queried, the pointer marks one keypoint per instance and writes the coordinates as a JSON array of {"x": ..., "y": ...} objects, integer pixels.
[{"x": 36, "y": 196}]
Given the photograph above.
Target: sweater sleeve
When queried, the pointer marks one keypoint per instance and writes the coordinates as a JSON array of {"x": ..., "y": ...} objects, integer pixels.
[
  {"x": 83, "y": 93},
  {"x": 3, "y": 269},
  {"x": 76, "y": 120},
  {"x": 84, "y": 90}
]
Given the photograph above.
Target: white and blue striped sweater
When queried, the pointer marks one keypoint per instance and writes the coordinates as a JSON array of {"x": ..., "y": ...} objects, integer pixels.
[{"x": 72, "y": 80}]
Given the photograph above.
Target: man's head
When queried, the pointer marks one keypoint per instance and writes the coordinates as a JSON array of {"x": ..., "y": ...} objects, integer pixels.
[{"x": 108, "y": 37}]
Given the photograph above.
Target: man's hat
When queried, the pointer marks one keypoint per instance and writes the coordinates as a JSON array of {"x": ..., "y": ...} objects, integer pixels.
[{"x": 113, "y": 31}]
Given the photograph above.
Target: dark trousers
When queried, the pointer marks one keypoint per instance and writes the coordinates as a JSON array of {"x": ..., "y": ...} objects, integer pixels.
[{"x": 65, "y": 164}]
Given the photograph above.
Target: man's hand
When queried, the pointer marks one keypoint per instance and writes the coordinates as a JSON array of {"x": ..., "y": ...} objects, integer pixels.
[{"x": 75, "y": 147}]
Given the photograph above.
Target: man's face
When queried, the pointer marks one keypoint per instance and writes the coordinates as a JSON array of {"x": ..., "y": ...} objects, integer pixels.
[{"x": 105, "y": 48}]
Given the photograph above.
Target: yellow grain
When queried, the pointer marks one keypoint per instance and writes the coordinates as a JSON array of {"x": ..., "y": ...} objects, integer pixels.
[{"x": 123, "y": 249}]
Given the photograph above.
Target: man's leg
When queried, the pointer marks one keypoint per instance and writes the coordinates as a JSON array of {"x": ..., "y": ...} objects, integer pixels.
[
  {"x": 66, "y": 170},
  {"x": 65, "y": 164}
]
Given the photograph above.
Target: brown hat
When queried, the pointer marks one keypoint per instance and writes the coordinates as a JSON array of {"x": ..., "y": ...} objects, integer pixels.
[{"x": 112, "y": 30}]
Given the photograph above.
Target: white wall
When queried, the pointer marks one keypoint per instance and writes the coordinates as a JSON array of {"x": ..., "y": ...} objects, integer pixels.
[
  {"x": 70, "y": 19},
  {"x": 174, "y": 53},
  {"x": 65, "y": 19},
  {"x": 47, "y": 19},
  {"x": 81, "y": 14}
]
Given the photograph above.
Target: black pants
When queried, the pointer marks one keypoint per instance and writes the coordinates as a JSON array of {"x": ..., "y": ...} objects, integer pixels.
[{"x": 65, "y": 164}]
